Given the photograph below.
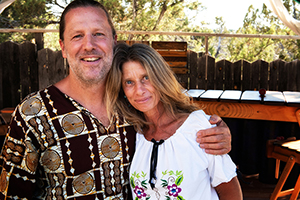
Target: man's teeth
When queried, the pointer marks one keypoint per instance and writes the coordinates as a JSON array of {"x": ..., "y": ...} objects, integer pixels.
[{"x": 90, "y": 59}]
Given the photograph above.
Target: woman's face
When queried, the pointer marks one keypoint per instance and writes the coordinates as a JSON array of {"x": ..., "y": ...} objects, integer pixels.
[{"x": 138, "y": 89}]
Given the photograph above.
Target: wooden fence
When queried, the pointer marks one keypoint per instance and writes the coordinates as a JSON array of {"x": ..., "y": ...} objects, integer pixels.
[{"x": 24, "y": 70}]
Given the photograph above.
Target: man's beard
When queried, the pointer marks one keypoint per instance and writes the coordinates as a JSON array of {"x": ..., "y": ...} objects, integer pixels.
[{"x": 96, "y": 79}]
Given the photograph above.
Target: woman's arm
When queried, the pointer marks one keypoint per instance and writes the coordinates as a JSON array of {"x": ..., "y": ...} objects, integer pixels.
[{"x": 230, "y": 191}]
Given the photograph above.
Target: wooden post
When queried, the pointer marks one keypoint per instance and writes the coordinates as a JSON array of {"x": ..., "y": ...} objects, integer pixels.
[
  {"x": 39, "y": 41},
  {"x": 206, "y": 45}
]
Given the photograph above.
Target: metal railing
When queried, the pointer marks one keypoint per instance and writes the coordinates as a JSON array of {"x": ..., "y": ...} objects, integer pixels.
[{"x": 206, "y": 35}]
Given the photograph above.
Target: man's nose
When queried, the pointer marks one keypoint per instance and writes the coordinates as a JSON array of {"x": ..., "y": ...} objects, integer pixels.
[{"x": 89, "y": 42}]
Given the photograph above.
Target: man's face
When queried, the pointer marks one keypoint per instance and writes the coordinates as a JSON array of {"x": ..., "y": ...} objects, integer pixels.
[{"x": 88, "y": 44}]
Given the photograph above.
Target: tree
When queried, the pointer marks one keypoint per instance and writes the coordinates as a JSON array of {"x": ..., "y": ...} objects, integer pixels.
[
  {"x": 149, "y": 15},
  {"x": 142, "y": 15},
  {"x": 165, "y": 15},
  {"x": 264, "y": 22},
  {"x": 25, "y": 14}
]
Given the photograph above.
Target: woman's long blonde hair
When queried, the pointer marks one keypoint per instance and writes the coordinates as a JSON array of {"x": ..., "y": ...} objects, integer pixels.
[{"x": 161, "y": 76}]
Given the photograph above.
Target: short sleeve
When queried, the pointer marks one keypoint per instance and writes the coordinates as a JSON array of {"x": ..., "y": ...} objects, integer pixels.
[{"x": 221, "y": 169}]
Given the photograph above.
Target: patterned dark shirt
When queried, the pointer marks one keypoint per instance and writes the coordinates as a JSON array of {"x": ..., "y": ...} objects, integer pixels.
[{"x": 56, "y": 149}]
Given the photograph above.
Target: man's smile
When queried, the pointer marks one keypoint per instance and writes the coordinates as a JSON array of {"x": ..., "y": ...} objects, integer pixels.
[{"x": 91, "y": 59}]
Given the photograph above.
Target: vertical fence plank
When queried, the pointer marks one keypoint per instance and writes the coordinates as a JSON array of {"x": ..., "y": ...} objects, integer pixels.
[
  {"x": 255, "y": 75},
  {"x": 273, "y": 85},
  {"x": 60, "y": 67},
  {"x": 210, "y": 71},
  {"x": 264, "y": 75},
  {"x": 193, "y": 67},
  {"x": 296, "y": 65},
  {"x": 291, "y": 69},
  {"x": 43, "y": 66},
  {"x": 28, "y": 69},
  {"x": 282, "y": 75},
  {"x": 201, "y": 72},
  {"x": 51, "y": 67},
  {"x": 246, "y": 84},
  {"x": 219, "y": 78},
  {"x": 9, "y": 54},
  {"x": 293, "y": 72},
  {"x": 228, "y": 75},
  {"x": 237, "y": 73},
  {"x": 39, "y": 40}
]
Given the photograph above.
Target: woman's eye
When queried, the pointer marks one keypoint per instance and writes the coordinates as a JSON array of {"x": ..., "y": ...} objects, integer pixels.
[
  {"x": 128, "y": 82},
  {"x": 146, "y": 77}
]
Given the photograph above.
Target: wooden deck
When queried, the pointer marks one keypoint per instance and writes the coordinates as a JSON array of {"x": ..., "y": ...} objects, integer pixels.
[{"x": 254, "y": 189}]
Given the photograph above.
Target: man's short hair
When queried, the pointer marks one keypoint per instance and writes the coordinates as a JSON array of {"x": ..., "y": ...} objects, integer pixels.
[{"x": 82, "y": 3}]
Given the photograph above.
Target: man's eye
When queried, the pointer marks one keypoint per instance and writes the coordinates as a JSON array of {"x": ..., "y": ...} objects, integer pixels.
[
  {"x": 77, "y": 36},
  {"x": 99, "y": 34}
]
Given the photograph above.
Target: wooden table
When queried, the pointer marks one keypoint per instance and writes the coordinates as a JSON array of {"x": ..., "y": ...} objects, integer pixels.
[{"x": 274, "y": 106}]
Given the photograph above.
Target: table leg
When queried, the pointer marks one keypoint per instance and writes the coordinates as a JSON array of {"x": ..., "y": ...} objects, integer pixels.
[
  {"x": 296, "y": 189},
  {"x": 286, "y": 171}
]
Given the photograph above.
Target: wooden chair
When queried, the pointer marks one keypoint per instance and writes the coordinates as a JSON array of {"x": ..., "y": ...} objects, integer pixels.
[{"x": 287, "y": 151}]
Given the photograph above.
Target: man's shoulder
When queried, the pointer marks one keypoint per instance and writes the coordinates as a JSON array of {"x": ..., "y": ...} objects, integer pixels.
[
  {"x": 36, "y": 101},
  {"x": 35, "y": 93}
]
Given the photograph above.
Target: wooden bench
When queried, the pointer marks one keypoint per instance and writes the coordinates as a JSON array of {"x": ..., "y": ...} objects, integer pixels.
[{"x": 174, "y": 53}]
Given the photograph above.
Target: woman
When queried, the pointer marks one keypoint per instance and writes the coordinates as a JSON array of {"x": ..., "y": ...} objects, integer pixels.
[{"x": 168, "y": 163}]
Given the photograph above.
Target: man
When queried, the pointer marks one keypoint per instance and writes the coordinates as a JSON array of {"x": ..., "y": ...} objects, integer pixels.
[{"x": 61, "y": 144}]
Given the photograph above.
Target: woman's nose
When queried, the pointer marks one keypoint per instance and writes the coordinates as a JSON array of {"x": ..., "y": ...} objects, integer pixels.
[{"x": 140, "y": 88}]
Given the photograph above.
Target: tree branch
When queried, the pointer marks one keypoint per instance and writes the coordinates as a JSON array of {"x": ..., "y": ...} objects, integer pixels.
[
  {"x": 56, "y": 3},
  {"x": 134, "y": 10},
  {"x": 162, "y": 12}
]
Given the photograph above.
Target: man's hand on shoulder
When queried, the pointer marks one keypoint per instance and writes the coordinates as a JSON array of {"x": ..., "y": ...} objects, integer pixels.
[{"x": 216, "y": 140}]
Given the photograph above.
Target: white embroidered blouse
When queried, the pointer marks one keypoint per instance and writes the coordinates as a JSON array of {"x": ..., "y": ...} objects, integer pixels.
[{"x": 184, "y": 170}]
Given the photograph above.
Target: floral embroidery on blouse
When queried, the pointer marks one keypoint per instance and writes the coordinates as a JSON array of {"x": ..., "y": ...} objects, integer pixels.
[{"x": 170, "y": 183}]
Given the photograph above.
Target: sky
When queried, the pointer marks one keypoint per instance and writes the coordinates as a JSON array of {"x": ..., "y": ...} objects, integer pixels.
[{"x": 232, "y": 11}]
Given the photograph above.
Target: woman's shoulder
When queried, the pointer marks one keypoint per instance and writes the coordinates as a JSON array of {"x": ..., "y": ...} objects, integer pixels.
[
  {"x": 199, "y": 116},
  {"x": 196, "y": 121}
]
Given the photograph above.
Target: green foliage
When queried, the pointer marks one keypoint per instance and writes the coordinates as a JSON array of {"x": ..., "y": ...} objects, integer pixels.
[
  {"x": 25, "y": 14},
  {"x": 160, "y": 15},
  {"x": 51, "y": 39},
  {"x": 165, "y": 15},
  {"x": 262, "y": 22}
]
